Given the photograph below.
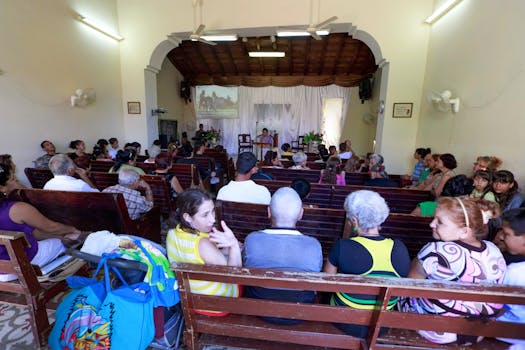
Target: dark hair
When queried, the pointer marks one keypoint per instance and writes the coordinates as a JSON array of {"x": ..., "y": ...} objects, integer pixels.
[
  {"x": 422, "y": 152},
  {"x": 189, "y": 202},
  {"x": 156, "y": 142},
  {"x": 42, "y": 143},
  {"x": 269, "y": 157},
  {"x": 97, "y": 151},
  {"x": 285, "y": 147},
  {"x": 456, "y": 186},
  {"x": 102, "y": 142},
  {"x": 505, "y": 176},
  {"x": 515, "y": 219},
  {"x": 199, "y": 144},
  {"x": 485, "y": 175},
  {"x": 245, "y": 162},
  {"x": 301, "y": 186},
  {"x": 342, "y": 147},
  {"x": 123, "y": 157},
  {"x": 84, "y": 161},
  {"x": 7, "y": 160},
  {"x": 163, "y": 161},
  {"x": 73, "y": 144},
  {"x": 332, "y": 147},
  {"x": 323, "y": 153},
  {"x": 113, "y": 140},
  {"x": 449, "y": 161},
  {"x": 5, "y": 174},
  {"x": 333, "y": 168},
  {"x": 265, "y": 129}
]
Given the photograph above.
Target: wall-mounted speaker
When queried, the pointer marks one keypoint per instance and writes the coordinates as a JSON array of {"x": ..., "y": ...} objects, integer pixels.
[{"x": 185, "y": 90}]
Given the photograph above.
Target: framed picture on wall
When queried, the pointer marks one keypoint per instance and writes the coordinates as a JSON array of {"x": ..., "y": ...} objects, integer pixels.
[
  {"x": 133, "y": 107},
  {"x": 402, "y": 110}
]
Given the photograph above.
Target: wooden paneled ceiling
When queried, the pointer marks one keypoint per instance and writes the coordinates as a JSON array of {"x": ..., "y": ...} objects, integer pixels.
[{"x": 336, "y": 59}]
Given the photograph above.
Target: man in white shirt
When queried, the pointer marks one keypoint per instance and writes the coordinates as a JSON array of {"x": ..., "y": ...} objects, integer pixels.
[
  {"x": 63, "y": 170},
  {"x": 242, "y": 189}
]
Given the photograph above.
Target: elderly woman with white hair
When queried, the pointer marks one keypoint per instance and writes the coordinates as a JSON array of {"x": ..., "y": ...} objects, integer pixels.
[
  {"x": 299, "y": 159},
  {"x": 367, "y": 253}
]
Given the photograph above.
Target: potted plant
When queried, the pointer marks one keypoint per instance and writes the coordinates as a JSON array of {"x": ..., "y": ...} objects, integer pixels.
[{"x": 313, "y": 140}]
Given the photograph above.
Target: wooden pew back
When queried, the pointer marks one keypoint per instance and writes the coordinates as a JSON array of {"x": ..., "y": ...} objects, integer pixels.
[
  {"x": 92, "y": 211},
  {"x": 38, "y": 177},
  {"x": 327, "y": 225},
  {"x": 240, "y": 326}
]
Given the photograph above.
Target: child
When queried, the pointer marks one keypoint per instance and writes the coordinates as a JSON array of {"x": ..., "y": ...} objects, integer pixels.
[
  {"x": 459, "y": 255},
  {"x": 483, "y": 185},
  {"x": 333, "y": 174},
  {"x": 514, "y": 241}
]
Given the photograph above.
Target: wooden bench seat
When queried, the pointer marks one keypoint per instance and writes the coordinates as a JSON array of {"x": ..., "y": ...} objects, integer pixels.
[
  {"x": 327, "y": 225},
  {"x": 27, "y": 290},
  {"x": 241, "y": 325},
  {"x": 92, "y": 211},
  {"x": 399, "y": 200}
]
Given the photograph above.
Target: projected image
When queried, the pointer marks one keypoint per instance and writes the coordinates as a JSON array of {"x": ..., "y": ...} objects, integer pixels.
[{"x": 216, "y": 102}]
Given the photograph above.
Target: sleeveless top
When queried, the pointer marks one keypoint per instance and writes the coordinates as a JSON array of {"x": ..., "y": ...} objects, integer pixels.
[
  {"x": 339, "y": 178},
  {"x": 183, "y": 247},
  {"x": 7, "y": 224},
  {"x": 381, "y": 267}
]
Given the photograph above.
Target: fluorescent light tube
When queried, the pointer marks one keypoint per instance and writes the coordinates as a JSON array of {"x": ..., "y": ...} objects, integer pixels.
[
  {"x": 101, "y": 28},
  {"x": 266, "y": 54},
  {"x": 285, "y": 33},
  {"x": 442, "y": 10},
  {"x": 225, "y": 37}
]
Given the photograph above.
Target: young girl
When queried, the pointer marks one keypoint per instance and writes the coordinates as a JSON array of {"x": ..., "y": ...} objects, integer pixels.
[
  {"x": 334, "y": 173},
  {"x": 483, "y": 186},
  {"x": 195, "y": 240},
  {"x": 459, "y": 255}
]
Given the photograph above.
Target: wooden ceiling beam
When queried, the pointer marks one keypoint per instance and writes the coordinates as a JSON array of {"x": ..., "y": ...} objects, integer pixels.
[
  {"x": 307, "y": 56},
  {"x": 323, "y": 55},
  {"x": 339, "y": 52},
  {"x": 203, "y": 59},
  {"x": 217, "y": 59},
  {"x": 234, "y": 65}
]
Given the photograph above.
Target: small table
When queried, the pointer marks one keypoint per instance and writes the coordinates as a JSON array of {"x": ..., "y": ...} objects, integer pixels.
[{"x": 261, "y": 146}]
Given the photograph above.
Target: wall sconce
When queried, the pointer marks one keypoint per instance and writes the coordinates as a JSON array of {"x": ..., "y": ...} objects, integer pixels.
[{"x": 83, "y": 97}]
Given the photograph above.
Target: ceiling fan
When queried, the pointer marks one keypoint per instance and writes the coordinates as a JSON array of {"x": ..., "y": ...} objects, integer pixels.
[
  {"x": 313, "y": 29},
  {"x": 197, "y": 35}
]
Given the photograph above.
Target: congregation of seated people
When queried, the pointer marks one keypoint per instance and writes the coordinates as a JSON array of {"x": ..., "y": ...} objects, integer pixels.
[{"x": 477, "y": 221}]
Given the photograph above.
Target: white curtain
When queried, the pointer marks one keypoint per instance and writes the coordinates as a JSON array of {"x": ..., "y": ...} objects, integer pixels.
[{"x": 303, "y": 114}]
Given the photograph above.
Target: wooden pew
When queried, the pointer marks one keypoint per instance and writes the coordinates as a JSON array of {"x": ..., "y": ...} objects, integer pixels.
[
  {"x": 327, "y": 225},
  {"x": 160, "y": 188},
  {"x": 27, "y": 290},
  {"x": 241, "y": 328},
  {"x": 92, "y": 211},
  {"x": 38, "y": 177},
  {"x": 399, "y": 200},
  {"x": 101, "y": 165}
]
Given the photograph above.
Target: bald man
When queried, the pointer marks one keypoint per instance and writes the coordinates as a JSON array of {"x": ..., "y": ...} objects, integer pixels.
[{"x": 282, "y": 247}]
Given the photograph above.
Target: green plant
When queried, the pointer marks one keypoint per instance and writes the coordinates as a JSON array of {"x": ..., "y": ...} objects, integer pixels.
[
  {"x": 311, "y": 136},
  {"x": 213, "y": 134}
]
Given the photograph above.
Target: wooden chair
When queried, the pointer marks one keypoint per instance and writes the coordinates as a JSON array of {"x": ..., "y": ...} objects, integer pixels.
[
  {"x": 27, "y": 290},
  {"x": 245, "y": 143},
  {"x": 298, "y": 145}
]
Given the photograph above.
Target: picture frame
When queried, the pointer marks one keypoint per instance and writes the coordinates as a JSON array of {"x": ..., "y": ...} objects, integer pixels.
[
  {"x": 402, "y": 110},
  {"x": 133, "y": 107}
]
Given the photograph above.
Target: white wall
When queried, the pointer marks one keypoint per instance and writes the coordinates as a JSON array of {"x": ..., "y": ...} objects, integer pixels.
[
  {"x": 396, "y": 25},
  {"x": 360, "y": 133},
  {"x": 168, "y": 96},
  {"x": 46, "y": 55},
  {"x": 480, "y": 57}
]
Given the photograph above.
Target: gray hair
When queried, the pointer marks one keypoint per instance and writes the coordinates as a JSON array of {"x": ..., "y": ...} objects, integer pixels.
[
  {"x": 368, "y": 207},
  {"x": 285, "y": 207},
  {"x": 60, "y": 164},
  {"x": 299, "y": 157},
  {"x": 154, "y": 152},
  {"x": 127, "y": 176},
  {"x": 377, "y": 157}
]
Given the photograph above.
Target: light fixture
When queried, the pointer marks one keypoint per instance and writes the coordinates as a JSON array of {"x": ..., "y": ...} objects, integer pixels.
[
  {"x": 442, "y": 10},
  {"x": 285, "y": 33},
  {"x": 266, "y": 54},
  {"x": 225, "y": 37},
  {"x": 101, "y": 28}
]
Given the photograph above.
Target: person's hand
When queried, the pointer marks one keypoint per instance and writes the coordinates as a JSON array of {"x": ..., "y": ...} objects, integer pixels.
[
  {"x": 80, "y": 172},
  {"x": 223, "y": 239},
  {"x": 144, "y": 185}
]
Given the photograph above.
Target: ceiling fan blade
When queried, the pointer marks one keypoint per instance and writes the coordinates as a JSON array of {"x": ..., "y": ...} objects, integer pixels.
[
  {"x": 326, "y": 22},
  {"x": 199, "y": 30},
  {"x": 315, "y": 36},
  {"x": 207, "y": 42}
]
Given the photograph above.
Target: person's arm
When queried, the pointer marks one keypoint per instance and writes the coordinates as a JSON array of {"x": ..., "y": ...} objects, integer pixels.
[
  {"x": 209, "y": 248},
  {"x": 83, "y": 175},
  {"x": 437, "y": 191},
  {"x": 329, "y": 268},
  {"x": 148, "y": 193},
  {"x": 24, "y": 213},
  {"x": 416, "y": 270}
]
